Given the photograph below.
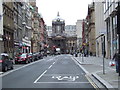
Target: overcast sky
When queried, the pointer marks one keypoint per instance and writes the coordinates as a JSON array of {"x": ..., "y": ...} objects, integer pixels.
[{"x": 69, "y": 10}]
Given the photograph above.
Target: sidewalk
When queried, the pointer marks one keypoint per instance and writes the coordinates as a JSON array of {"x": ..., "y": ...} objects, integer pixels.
[{"x": 94, "y": 66}]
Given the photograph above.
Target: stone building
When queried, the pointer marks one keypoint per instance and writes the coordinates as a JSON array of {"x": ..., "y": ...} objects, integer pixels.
[
  {"x": 110, "y": 17},
  {"x": 91, "y": 29},
  {"x": 79, "y": 24},
  {"x": 35, "y": 39},
  {"x": 43, "y": 34},
  {"x": 89, "y": 44},
  {"x": 8, "y": 28},
  {"x": 59, "y": 39},
  {"x": 1, "y": 27},
  {"x": 27, "y": 29},
  {"x": 18, "y": 27},
  {"x": 99, "y": 28}
]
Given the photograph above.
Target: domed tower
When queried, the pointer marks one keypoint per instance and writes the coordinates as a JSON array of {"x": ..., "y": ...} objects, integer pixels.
[
  {"x": 58, "y": 36},
  {"x": 58, "y": 25}
]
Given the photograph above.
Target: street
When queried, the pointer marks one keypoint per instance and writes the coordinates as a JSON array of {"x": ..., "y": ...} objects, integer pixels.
[{"x": 60, "y": 71}]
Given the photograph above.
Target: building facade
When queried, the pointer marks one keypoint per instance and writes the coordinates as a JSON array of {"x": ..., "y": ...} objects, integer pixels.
[
  {"x": 100, "y": 29},
  {"x": 70, "y": 30},
  {"x": 8, "y": 28},
  {"x": 88, "y": 33},
  {"x": 1, "y": 27},
  {"x": 49, "y": 30},
  {"x": 79, "y": 33},
  {"x": 91, "y": 29},
  {"x": 59, "y": 38},
  {"x": 43, "y": 34},
  {"x": 35, "y": 39},
  {"x": 110, "y": 17},
  {"x": 17, "y": 27},
  {"x": 27, "y": 29}
]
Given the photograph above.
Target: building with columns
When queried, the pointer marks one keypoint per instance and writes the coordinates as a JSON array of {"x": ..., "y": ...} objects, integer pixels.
[{"x": 59, "y": 39}]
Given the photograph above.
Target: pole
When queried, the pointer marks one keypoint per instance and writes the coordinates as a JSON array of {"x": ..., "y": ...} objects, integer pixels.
[
  {"x": 82, "y": 58},
  {"x": 103, "y": 65},
  {"x": 103, "y": 52},
  {"x": 118, "y": 32},
  {"x": 118, "y": 25}
]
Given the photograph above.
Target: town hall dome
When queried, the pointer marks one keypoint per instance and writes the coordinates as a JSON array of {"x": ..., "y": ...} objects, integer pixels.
[{"x": 58, "y": 19}]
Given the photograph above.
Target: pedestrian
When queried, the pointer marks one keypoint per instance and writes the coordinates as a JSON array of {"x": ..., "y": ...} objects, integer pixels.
[{"x": 116, "y": 57}]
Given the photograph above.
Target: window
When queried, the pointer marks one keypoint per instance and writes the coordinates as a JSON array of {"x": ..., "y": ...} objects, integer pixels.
[{"x": 108, "y": 30}]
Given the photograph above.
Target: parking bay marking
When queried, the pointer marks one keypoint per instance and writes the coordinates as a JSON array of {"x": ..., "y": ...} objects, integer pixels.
[
  {"x": 40, "y": 76},
  {"x": 43, "y": 73}
]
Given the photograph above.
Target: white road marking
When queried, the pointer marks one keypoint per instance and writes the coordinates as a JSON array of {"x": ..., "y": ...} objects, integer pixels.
[
  {"x": 64, "y": 82},
  {"x": 43, "y": 73},
  {"x": 40, "y": 76},
  {"x": 50, "y": 66},
  {"x": 61, "y": 74},
  {"x": 4, "y": 74},
  {"x": 67, "y": 78},
  {"x": 80, "y": 66},
  {"x": 53, "y": 62}
]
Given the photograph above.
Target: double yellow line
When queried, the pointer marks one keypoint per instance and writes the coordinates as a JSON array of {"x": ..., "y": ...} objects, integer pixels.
[{"x": 92, "y": 83}]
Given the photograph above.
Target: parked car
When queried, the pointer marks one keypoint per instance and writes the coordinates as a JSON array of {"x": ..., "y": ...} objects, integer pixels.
[
  {"x": 22, "y": 58},
  {"x": 40, "y": 55},
  {"x": 35, "y": 57},
  {"x": 6, "y": 62},
  {"x": 30, "y": 56}
]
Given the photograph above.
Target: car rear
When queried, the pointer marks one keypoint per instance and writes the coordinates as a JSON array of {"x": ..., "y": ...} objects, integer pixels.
[
  {"x": 22, "y": 58},
  {"x": 1, "y": 63}
]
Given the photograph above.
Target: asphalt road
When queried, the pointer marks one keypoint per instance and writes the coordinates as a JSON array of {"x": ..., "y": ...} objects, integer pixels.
[{"x": 52, "y": 72}]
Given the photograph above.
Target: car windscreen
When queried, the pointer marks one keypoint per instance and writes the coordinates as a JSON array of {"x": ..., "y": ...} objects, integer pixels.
[{"x": 23, "y": 56}]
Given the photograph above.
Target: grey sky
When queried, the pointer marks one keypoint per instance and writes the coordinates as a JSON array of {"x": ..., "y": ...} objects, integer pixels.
[{"x": 70, "y": 10}]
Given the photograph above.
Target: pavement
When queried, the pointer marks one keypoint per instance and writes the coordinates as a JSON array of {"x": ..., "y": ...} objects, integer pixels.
[{"x": 94, "y": 66}]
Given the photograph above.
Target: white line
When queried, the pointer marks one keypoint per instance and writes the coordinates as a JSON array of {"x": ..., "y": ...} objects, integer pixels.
[
  {"x": 40, "y": 76},
  {"x": 80, "y": 66},
  {"x": 53, "y": 62},
  {"x": 4, "y": 74},
  {"x": 62, "y": 82},
  {"x": 50, "y": 66},
  {"x": 61, "y": 74}
]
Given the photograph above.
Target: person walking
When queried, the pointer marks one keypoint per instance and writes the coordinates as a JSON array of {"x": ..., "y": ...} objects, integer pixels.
[{"x": 116, "y": 57}]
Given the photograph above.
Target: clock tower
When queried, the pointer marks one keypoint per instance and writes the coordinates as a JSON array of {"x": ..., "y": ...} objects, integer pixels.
[{"x": 58, "y": 36}]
